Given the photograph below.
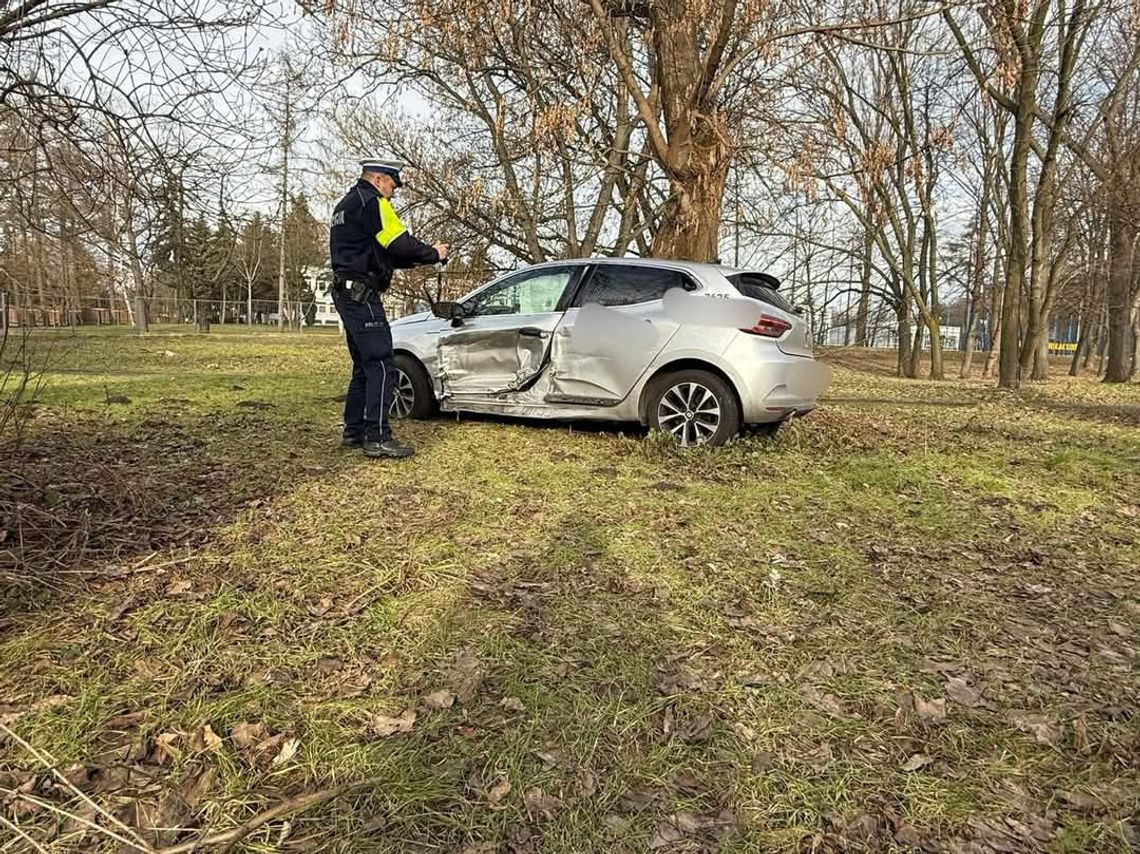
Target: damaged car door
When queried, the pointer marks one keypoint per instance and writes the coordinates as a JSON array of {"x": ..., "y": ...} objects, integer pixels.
[
  {"x": 501, "y": 343},
  {"x": 611, "y": 332}
]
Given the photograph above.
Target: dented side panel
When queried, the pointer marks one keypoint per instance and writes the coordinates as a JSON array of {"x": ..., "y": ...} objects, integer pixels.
[
  {"x": 494, "y": 355},
  {"x": 601, "y": 352}
]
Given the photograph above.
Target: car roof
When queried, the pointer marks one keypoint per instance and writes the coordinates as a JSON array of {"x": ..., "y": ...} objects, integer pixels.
[{"x": 693, "y": 266}]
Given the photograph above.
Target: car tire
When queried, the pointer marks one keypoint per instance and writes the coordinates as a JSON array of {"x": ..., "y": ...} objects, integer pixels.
[
  {"x": 696, "y": 407},
  {"x": 414, "y": 396}
]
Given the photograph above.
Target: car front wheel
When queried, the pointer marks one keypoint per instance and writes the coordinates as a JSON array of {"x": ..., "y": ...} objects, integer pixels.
[
  {"x": 413, "y": 396},
  {"x": 695, "y": 407}
]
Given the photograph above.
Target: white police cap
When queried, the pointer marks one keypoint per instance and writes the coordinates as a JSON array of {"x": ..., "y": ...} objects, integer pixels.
[{"x": 384, "y": 166}]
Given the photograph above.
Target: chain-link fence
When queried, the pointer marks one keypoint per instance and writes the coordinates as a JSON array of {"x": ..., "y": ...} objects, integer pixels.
[
  {"x": 68, "y": 313},
  {"x": 163, "y": 311}
]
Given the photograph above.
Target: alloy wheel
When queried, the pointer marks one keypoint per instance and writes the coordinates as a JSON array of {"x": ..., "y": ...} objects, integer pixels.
[
  {"x": 690, "y": 413},
  {"x": 404, "y": 396}
]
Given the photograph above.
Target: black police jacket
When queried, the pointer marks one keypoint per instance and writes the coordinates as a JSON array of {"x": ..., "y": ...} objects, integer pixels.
[{"x": 367, "y": 241}]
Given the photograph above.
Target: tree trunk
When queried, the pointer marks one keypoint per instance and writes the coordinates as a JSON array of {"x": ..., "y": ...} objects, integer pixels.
[
  {"x": 1119, "y": 299},
  {"x": 285, "y": 144},
  {"x": 141, "y": 320},
  {"x": 690, "y": 223},
  {"x": 996, "y": 306},
  {"x": 1009, "y": 364},
  {"x": 202, "y": 315},
  {"x": 1041, "y": 355},
  {"x": 915, "y": 352},
  {"x": 1135, "y": 340},
  {"x": 968, "y": 345},
  {"x": 937, "y": 370},
  {"x": 864, "y": 290},
  {"x": 1094, "y": 339},
  {"x": 903, "y": 328},
  {"x": 1082, "y": 343}
]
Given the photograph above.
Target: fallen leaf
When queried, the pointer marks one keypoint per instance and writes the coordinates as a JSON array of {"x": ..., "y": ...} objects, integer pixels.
[
  {"x": 512, "y": 704},
  {"x": 384, "y": 726},
  {"x": 688, "y": 782},
  {"x": 288, "y": 751},
  {"x": 1119, "y": 629},
  {"x": 762, "y": 761},
  {"x": 686, "y": 824},
  {"x": 245, "y": 735},
  {"x": 744, "y": 732},
  {"x": 919, "y": 760},
  {"x": 127, "y": 604},
  {"x": 541, "y": 805},
  {"x": 498, "y": 791},
  {"x": 470, "y": 671},
  {"x": 178, "y": 587},
  {"x": 586, "y": 784},
  {"x": 819, "y": 758},
  {"x": 165, "y": 747},
  {"x": 827, "y": 703},
  {"x": 206, "y": 740},
  {"x": 699, "y": 730},
  {"x": 1045, "y": 730},
  {"x": 962, "y": 694},
  {"x": 665, "y": 834},
  {"x": 555, "y": 757},
  {"x": 319, "y": 608},
  {"x": 636, "y": 800},
  {"x": 930, "y": 711},
  {"x": 617, "y": 826},
  {"x": 1081, "y": 733},
  {"x": 442, "y": 699},
  {"x": 1079, "y": 800},
  {"x": 329, "y": 664}
]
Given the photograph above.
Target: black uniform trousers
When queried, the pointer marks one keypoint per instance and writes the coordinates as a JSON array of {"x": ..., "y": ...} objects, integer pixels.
[{"x": 373, "y": 373}]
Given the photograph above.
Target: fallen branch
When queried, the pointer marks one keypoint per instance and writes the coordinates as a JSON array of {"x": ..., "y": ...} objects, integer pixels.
[
  {"x": 15, "y": 829},
  {"x": 302, "y": 802},
  {"x": 138, "y": 844}
]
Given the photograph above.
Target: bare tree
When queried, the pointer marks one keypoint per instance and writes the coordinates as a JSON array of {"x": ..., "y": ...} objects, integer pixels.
[{"x": 1031, "y": 49}]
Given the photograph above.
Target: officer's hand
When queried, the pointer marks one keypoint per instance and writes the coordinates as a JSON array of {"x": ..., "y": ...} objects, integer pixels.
[{"x": 441, "y": 248}]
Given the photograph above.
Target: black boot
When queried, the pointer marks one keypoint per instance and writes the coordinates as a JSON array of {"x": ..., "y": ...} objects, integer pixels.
[
  {"x": 351, "y": 440},
  {"x": 390, "y": 448}
]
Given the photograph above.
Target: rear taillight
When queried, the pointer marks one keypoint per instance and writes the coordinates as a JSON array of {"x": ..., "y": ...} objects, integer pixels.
[{"x": 769, "y": 327}]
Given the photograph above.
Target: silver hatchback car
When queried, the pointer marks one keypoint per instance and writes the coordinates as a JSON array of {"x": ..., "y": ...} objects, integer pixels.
[{"x": 695, "y": 350}]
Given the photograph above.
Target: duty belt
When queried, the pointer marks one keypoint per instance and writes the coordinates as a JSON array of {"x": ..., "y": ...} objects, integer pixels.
[{"x": 355, "y": 289}]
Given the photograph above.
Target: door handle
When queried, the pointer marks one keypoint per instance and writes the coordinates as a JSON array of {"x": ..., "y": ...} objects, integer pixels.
[{"x": 531, "y": 332}]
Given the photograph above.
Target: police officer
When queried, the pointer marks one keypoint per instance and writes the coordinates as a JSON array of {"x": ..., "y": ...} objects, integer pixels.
[{"x": 367, "y": 243}]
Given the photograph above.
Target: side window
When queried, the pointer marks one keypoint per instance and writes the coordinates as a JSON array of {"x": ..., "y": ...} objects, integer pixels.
[
  {"x": 619, "y": 284},
  {"x": 529, "y": 292}
]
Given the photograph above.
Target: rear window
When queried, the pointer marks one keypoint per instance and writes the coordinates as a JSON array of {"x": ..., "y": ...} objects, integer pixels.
[
  {"x": 622, "y": 284},
  {"x": 761, "y": 286}
]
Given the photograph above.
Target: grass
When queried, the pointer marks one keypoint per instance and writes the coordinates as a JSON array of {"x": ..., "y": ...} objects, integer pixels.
[{"x": 645, "y": 647}]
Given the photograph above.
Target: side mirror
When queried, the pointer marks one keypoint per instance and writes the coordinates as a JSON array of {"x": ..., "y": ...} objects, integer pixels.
[{"x": 447, "y": 310}]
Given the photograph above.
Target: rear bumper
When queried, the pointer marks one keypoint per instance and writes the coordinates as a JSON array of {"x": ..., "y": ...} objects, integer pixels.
[{"x": 772, "y": 385}]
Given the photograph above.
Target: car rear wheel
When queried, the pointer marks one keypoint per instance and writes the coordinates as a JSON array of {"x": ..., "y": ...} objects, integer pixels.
[
  {"x": 695, "y": 407},
  {"x": 413, "y": 396}
]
